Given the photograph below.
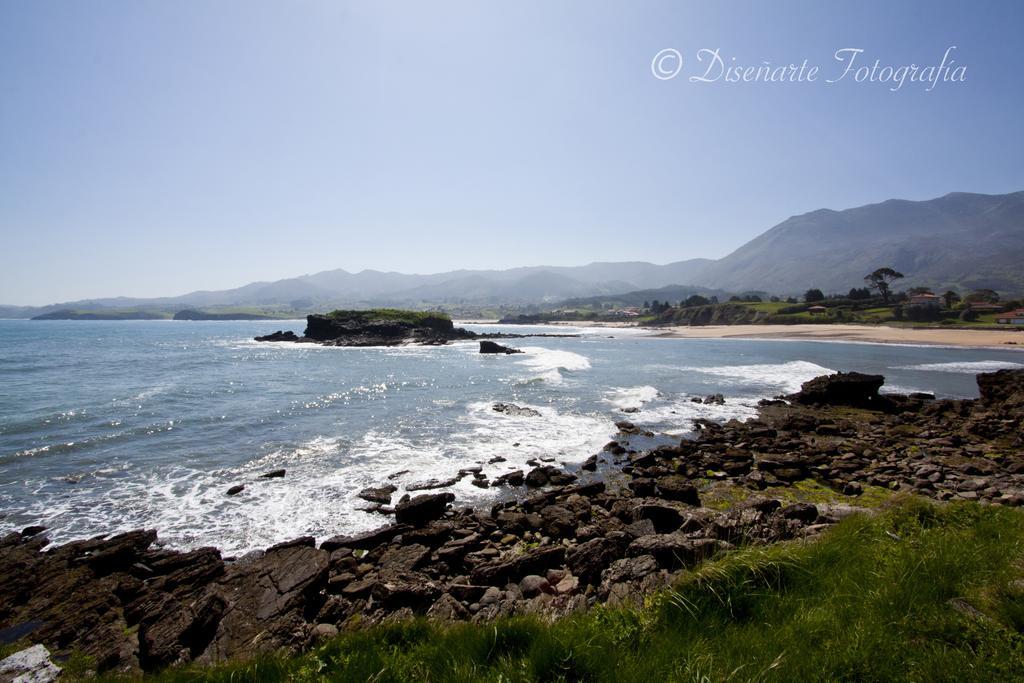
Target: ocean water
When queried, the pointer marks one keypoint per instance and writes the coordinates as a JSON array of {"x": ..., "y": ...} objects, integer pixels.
[{"x": 108, "y": 426}]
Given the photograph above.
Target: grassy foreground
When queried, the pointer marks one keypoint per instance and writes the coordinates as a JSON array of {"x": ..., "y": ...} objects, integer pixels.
[{"x": 919, "y": 592}]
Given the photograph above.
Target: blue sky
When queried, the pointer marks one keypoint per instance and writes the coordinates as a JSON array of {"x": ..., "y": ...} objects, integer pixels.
[{"x": 153, "y": 148}]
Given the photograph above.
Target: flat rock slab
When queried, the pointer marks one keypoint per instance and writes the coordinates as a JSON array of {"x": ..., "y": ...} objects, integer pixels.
[{"x": 31, "y": 665}]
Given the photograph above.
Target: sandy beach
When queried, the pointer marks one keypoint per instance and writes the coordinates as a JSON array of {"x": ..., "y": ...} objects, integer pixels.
[{"x": 861, "y": 333}]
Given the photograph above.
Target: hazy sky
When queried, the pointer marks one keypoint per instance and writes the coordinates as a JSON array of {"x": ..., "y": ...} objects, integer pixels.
[{"x": 153, "y": 148}]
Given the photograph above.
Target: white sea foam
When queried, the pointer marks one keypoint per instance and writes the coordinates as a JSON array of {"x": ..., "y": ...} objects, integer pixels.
[
  {"x": 964, "y": 367},
  {"x": 318, "y": 494},
  {"x": 631, "y": 398},
  {"x": 785, "y": 377},
  {"x": 549, "y": 364},
  {"x": 677, "y": 416}
]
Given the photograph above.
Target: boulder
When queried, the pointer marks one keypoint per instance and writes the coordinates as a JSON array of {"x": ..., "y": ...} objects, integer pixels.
[
  {"x": 532, "y": 585},
  {"x": 1002, "y": 388},
  {"x": 558, "y": 521},
  {"x": 587, "y": 560},
  {"x": 514, "y": 410},
  {"x": 379, "y": 494},
  {"x": 678, "y": 489},
  {"x": 422, "y": 509},
  {"x": 428, "y": 484},
  {"x": 365, "y": 541},
  {"x": 664, "y": 518},
  {"x": 629, "y": 569},
  {"x": 841, "y": 389},
  {"x": 513, "y": 478},
  {"x": 279, "y": 336},
  {"x": 672, "y": 551},
  {"x": 264, "y": 601},
  {"x": 492, "y": 347},
  {"x": 31, "y": 665},
  {"x": 804, "y": 512},
  {"x": 536, "y": 561},
  {"x": 447, "y": 608}
]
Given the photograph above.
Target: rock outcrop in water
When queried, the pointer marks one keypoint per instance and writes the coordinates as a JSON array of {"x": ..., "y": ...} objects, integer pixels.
[
  {"x": 279, "y": 336},
  {"x": 378, "y": 327},
  {"x": 390, "y": 327},
  {"x": 494, "y": 347},
  {"x": 557, "y": 548},
  {"x": 383, "y": 328}
]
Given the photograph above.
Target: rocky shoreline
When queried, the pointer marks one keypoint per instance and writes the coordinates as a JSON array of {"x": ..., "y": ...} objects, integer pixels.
[{"x": 629, "y": 522}]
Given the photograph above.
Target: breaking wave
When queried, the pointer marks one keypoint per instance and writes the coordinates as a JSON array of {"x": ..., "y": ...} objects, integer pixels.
[{"x": 964, "y": 367}]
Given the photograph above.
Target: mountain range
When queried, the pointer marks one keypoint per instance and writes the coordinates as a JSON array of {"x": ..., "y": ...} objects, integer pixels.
[{"x": 959, "y": 241}]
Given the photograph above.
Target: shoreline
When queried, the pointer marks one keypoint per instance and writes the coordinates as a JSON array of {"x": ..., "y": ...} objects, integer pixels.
[
  {"x": 634, "y": 519},
  {"x": 879, "y": 334}
]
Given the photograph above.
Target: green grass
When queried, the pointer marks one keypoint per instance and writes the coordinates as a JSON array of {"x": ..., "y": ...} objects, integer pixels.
[
  {"x": 871, "y": 601},
  {"x": 766, "y": 306},
  {"x": 725, "y": 495},
  {"x": 415, "y": 317}
]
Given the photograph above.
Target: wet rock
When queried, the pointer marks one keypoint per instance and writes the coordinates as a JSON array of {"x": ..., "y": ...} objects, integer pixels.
[
  {"x": 279, "y": 336},
  {"x": 514, "y": 410},
  {"x": 424, "y": 508},
  {"x": 514, "y": 478},
  {"x": 428, "y": 484},
  {"x": 379, "y": 494},
  {"x": 32, "y": 530},
  {"x": 367, "y": 540},
  {"x": 538, "y": 476},
  {"x": 235, "y": 490},
  {"x": 492, "y": 347},
  {"x": 841, "y": 389}
]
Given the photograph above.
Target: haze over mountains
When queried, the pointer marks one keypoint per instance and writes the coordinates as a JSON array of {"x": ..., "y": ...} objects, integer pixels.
[{"x": 960, "y": 241}]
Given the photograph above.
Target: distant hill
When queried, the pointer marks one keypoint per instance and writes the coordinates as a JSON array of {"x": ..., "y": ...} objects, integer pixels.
[
  {"x": 191, "y": 314},
  {"x": 672, "y": 293},
  {"x": 66, "y": 314},
  {"x": 960, "y": 241}
]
